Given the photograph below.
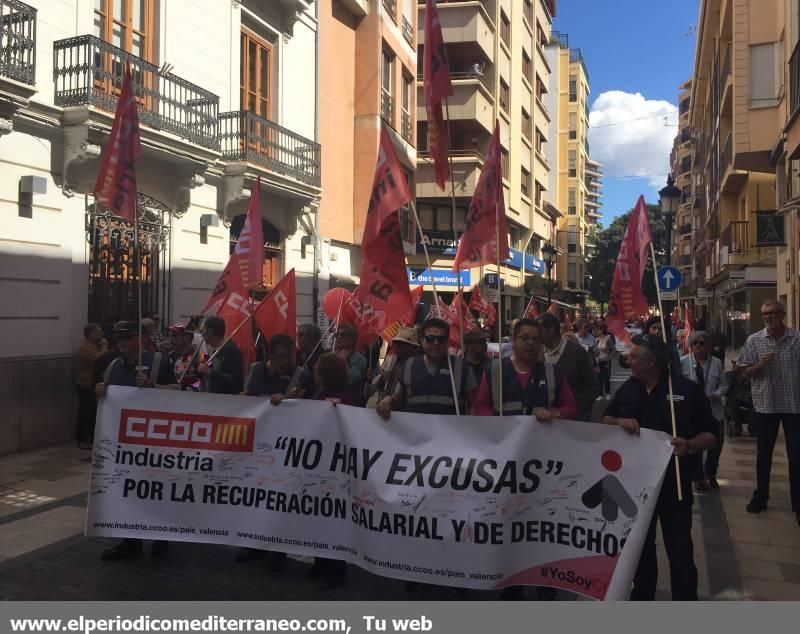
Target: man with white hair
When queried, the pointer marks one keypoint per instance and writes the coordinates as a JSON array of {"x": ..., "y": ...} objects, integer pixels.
[{"x": 700, "y": 367}]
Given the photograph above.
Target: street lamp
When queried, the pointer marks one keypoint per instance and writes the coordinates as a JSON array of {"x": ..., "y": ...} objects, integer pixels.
[
  {"x": 549, "y": 253},
  {"x": 669, "y": 199}
]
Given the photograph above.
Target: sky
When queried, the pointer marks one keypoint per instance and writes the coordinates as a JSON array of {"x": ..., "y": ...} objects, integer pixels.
[{"x": 637, "y": 53}]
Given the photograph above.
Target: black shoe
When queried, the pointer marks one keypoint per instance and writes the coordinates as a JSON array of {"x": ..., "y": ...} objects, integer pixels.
[
  {"x": 276, "y": 562},
  {"x": 513, "y": 593},
  {"x": 159, "y": 549},
  {"x": 413, "y": 586},
  {"x": 756, "y": 505},
  {"x": 248, "y": 554},
  {"x": 126, "y": 549},
  {"x": 712, "y": 482},
  {"x": 546, "y": 594},
  {"x": 701, "y": 486}
]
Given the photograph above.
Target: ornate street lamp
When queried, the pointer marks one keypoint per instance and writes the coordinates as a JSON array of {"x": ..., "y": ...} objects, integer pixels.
[{"x": 549, "y": 253}]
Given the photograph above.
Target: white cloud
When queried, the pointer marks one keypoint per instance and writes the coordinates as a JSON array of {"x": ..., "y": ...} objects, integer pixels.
[{"x": 640, "y": 145}]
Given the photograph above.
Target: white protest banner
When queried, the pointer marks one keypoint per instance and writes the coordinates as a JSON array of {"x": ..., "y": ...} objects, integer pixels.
[{"x": 475, "y": 502}]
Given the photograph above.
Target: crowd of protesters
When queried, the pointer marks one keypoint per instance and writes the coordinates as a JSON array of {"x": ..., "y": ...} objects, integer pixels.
[{"x": 548, "y": 372}]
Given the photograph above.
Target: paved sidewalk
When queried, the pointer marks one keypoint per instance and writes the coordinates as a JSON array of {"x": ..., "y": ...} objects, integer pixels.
[{"x": 43, "y": 555}]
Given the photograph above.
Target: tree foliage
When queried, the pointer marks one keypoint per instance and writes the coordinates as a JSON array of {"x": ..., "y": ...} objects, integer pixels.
[{"x": 601, "y": 266}]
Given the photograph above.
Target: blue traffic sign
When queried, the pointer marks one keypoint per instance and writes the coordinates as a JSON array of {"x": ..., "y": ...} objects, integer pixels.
[{"x": 669, "y": 278}]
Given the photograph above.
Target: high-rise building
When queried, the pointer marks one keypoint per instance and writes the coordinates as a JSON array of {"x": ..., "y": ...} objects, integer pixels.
[
  {"x": 737, "y": 93},
  {"x": 499, "y": 73}
]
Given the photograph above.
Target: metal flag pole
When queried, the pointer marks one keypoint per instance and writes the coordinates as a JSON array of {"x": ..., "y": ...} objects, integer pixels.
[
  {"x": 669, "y": 372},
  {"x": 436, "y": 300},
  {"x": 455, "y": 231},
  {"x": 138, "y": 255},
  {"x": 499, "y": 304}
]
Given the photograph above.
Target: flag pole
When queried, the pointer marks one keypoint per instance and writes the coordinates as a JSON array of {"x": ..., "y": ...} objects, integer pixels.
[
  {"x": 669, "y": 372},
  {"x": 455, "y": 231},
  {"x": 499, "y": 303},
  {"x": 138, "y": 256},
  {"x": 436, "y": 299}
]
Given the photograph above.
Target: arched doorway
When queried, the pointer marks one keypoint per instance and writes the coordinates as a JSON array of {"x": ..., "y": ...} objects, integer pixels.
[
  {"x": 116, "y": 268},
  {"x": 273, "y": 266}
]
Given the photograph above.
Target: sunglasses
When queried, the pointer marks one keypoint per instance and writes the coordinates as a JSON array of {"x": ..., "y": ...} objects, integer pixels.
[{"x": 436, "y": 338}]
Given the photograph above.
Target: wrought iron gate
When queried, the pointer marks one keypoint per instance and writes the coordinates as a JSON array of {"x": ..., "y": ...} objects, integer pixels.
[{"x": 114, "y": 272}]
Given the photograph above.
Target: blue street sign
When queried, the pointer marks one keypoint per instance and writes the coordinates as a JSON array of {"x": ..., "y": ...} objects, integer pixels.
[
  {"x": 669, "y": 278},
  {"x": 441, "y": 277},
  {"x": 490, "y": 280}
]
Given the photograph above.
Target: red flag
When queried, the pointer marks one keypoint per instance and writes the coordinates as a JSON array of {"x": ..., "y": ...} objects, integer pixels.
[
  {"x": 116, "y": 181},
  {"x": 277, "y": 313},
  {"x": 234, "y": 310},
  {"x": 688, "y": 328},
  {"x": 627, "y": 300},
  {"x": 391, "y": 330},
  {"x": 443, "y": 312},
  {"x": 436, "y": 75},
  {"x": 567, "y": 321},
  {"x": 231, "y": 279},
  {"x": 477, "y": 302},
  {"x": 458, "y": 304},
  {"x": 478, "y": 245},
  {"x": 553, "y": 309},
  {"x": 250, "y": 246},
  {"x": 383, "y": 292},
  {"x": 532, "y": 311}
]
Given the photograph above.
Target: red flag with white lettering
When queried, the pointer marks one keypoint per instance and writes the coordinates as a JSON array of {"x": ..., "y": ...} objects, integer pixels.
[
  {"x": 230, "y": 279},
  {"x": 234, "y": 310},
  {"x": 532, "y": 311},
  {"x": 277, "y": 313},
  {"x": 478, "y": 245},
  {"x": 477, "y": 302},
  {"x": 627, "y": 301},
  {"x": 115, "y": 187},
  {"x": 249, "y": 249},
  {"x": 553, "y": 309},
  {"x": 383, "y": 293},
  {"x": 436, "y": 76}
]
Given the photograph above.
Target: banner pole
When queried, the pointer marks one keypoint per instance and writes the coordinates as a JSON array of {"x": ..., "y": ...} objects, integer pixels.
[
  {"x": 436, "y": 299},
  {"x": 669, "y": 374},
  {"x": 138, "y": 254},
  {"x": 455, "y": 232}
]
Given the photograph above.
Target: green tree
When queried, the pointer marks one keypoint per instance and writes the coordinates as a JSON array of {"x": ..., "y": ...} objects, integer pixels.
[{"x": 601, "y": 266}]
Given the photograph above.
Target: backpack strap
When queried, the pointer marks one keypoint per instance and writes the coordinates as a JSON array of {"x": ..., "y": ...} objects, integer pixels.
[
  {"x": 155, "y": 368},
  {"x": 109, "y": 369},
  {"x": 550, "y": 379}
]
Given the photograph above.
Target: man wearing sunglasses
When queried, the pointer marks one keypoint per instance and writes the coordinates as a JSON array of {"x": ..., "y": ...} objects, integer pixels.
[
  {"x": 700, "y": 367},
  {"x": 425, "y": 385},
  {"x": 770, "y": 358}
]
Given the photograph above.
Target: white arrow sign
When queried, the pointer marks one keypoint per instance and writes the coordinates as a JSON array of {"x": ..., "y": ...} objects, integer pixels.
[{"x": 668, "y": 277}]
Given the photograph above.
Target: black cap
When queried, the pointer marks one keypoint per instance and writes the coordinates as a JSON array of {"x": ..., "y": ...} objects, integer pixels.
[{"x": 125, "y": 329}]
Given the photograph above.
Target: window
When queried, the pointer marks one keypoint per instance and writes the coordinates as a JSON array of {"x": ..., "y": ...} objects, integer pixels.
[
  {"x": 526, "y": 125},
  {"x": 504, "y": 162},
  {"x": 571, "y": 208},
  {"x": 505, "y": 28},
  {"x": 538, "y": 189},
  {"x": 541, "y": 89},
  {"x": 256, "y": 75},
  {"x": 439, "y": 218},
  {"x": 504, "y": 95},
  {"x": 513, "y": 236},
  {"x": 766, "y": 77},
  {"x": 527, "y": 10},
  {"x": 572, "y": 275},
  {"x": 387, "y": 84},
  {"x": 573, "y": 88},
  {"x": 573, "y": 126},
  {"x": 127, "y": 24},
  {"x": 405, "y": 123},
  {"x": 527, "y": 66},
  {"x": 573, "y": 171},
  {"x": 572, "y": 240},
  {"x": 540, "y": 141},
  {"x": 525, "y": 187}
]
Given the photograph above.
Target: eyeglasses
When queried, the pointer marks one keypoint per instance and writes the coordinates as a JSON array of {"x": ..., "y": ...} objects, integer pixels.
[{"x": 436, "y": 338}]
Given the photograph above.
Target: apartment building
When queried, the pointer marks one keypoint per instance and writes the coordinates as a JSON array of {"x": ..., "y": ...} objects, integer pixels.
[
  {"x": 575, "y": 178},
  {"x": 688, "y": 223},
  {"x": 737, "y": 96},
  {"x": 786, "y": 156},
  {"x": 496, "y": 50},
  {"x": 368, "y": 80},
  {"x": 227, "y": 92}
]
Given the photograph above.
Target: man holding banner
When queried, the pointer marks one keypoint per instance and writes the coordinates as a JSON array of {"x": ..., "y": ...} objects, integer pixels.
[{"x": 642, "y": 402}]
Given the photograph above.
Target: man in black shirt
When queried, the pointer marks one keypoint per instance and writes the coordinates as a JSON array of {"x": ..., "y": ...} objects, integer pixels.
[
  {"x": 225, "y": 375},
  {"x": 643, "y": 402}
]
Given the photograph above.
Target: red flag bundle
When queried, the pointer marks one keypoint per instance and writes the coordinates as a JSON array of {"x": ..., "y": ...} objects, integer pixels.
[
  {"x": 115, "y": 188},
  {"x": 627, "y": 300},
  {"x": 391, "y": 330},
  {"x": 451, "y": 317},
  {"x": 458, "y": 304},
  {"x": 486, "y": 216},
  {"x": 249, "y": 249},
  {"x": 532, "y": 311},
  {"x": 688, "y": 329},
  {"x": 567, "y": 321},
  {"x": 383, "y": 293},
  {"x": 277, "y": 314},
  {"x": 553, "y": 309},
  {"x": 436, "y": 77},
  {"x": 482, "y": 307}
]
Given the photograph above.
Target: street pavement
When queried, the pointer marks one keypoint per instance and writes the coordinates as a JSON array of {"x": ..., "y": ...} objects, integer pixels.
[{"x": 43, "y": 555}]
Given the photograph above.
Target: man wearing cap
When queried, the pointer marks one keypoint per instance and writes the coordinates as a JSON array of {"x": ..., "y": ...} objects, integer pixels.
[
  {"x": 125, "y": 370},
  {"x": 643, "y": 401},
  {"x": 476, "y": 353},
  {"x": 183, "y": 358},
  {"x": 405, "y": 345}
]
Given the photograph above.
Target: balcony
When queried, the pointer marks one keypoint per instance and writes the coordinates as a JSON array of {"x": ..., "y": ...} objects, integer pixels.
[
  {"x": 467, "y": 166},
  {"x": 18, "y": 41},
  {"x": 730, "y": 178},
  {"x": 467, "y": 29},
  {"x": 391, "y": 8},
  {"x": 88, "y": 72},
  {"x": 408, "y": 30},
  {"x": 245, "y": 136},
  {"x": 406, "y": 129},
  {"x": 685, "y": 260},
  {"x": 472, "y": 100},
  {"x": 794, "y": 81},
  {"x": 734, "y": 244},
  {"x": 387, "y": 108}
]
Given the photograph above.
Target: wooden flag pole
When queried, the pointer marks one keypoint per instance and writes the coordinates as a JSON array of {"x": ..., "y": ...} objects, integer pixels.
[
  {"x": 436, "y": 299},
  {"x": 455, "y": 231},
  {"x": 499, "y": 306},
  {"x": 669, "y": 373},
  {"x": 138, "y": 256}
]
